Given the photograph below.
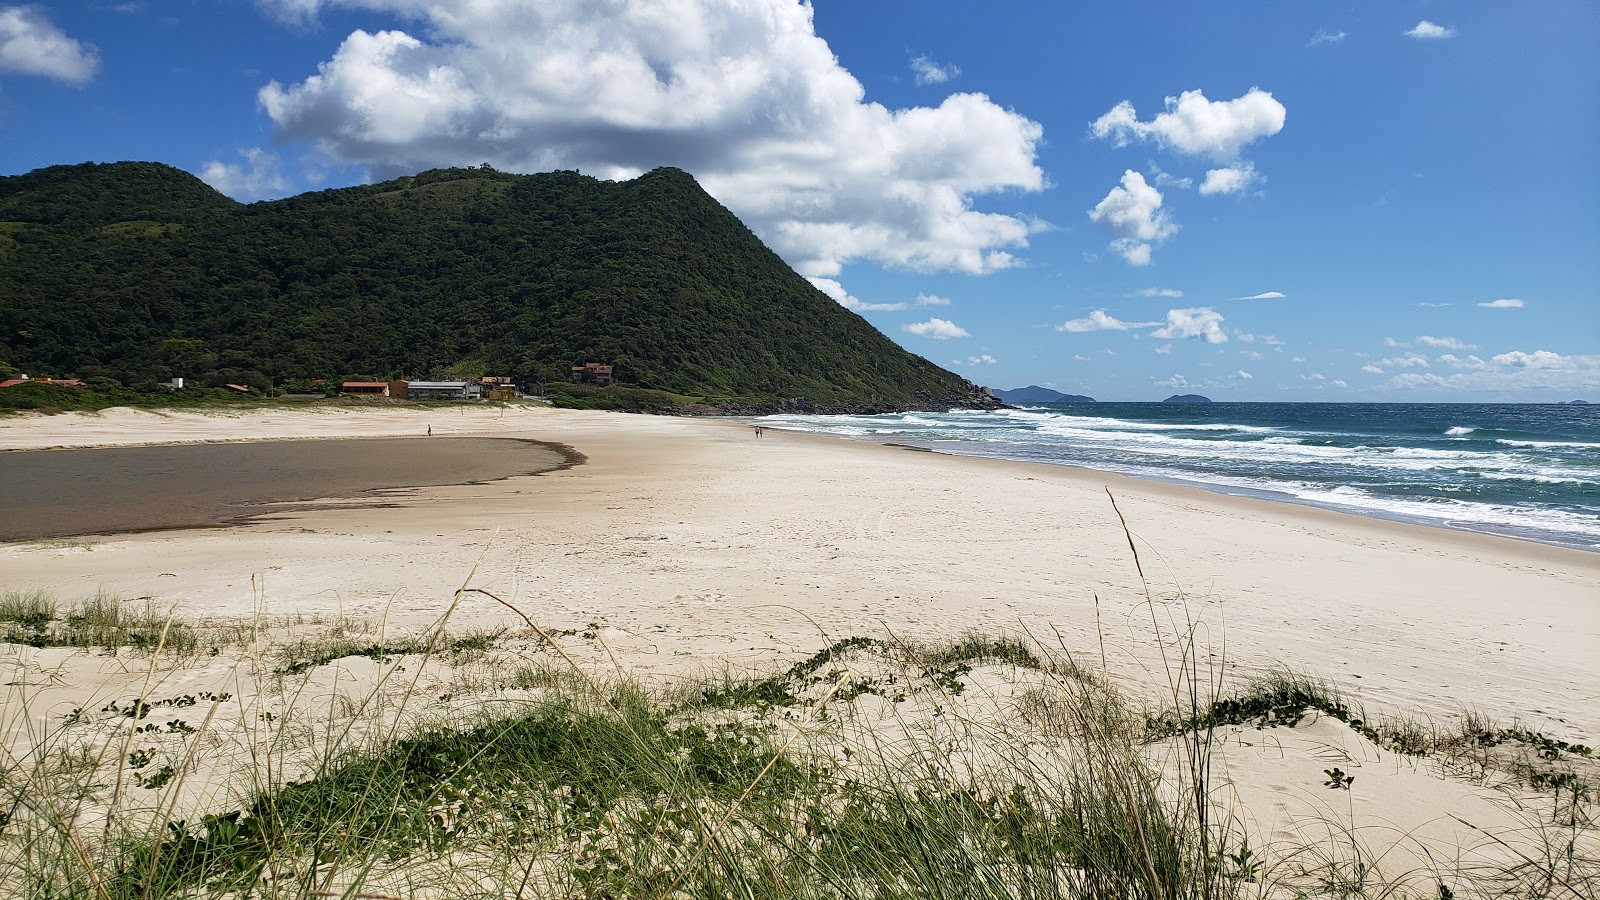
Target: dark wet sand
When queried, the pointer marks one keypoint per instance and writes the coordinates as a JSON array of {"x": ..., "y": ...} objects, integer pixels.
[{"x": 61, "y": 493}]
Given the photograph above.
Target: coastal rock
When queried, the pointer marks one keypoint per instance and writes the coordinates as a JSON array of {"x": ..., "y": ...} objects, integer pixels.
[{"x": 1187, "y": 398}]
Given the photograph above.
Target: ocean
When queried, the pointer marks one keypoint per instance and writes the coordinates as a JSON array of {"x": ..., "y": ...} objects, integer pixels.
[{"x": 1529, "y": 471}]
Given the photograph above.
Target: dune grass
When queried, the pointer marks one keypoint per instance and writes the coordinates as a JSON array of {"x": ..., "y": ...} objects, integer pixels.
[{"x": 876, "y": 768}]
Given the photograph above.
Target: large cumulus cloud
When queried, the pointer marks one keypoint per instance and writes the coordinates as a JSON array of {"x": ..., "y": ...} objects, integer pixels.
[{"x": 743, "y": 93}]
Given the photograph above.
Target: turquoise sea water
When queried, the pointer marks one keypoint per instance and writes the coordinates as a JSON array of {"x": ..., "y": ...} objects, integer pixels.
[{"x": 1525, "y": 470}]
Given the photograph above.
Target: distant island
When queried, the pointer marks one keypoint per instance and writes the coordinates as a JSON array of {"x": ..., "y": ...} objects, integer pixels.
[
  {"x": 1569, "y": 402},
  {"x": 1036, "y": 394},
  {"x": 1187, "y": 398}
]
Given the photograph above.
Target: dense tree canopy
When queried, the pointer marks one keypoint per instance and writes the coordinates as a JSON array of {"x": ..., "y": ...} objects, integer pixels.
[{"x": 140, "y": 272}]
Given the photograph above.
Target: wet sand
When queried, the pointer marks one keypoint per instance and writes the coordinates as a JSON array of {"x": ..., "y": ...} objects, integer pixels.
[{"x": 63, "y": 493}]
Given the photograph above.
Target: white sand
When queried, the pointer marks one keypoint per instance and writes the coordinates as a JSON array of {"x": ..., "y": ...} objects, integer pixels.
[
  {"x": 693, "y": 544},
  {"x": 700, "y": 543}
]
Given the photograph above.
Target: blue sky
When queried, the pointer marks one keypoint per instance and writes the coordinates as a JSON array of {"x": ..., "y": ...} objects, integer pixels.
[{"x": 1023, "y": 192}]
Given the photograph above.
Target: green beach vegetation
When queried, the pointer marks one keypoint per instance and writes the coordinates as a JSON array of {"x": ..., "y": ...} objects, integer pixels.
[
  {"x": 495, "y": 764},
  {"x": 130, "y": 274}
]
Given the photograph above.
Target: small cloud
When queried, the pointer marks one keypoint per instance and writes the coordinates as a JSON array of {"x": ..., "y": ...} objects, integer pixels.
[
  {"x": 1167, "y": 179},
  {"x": 1339, "y": 383},
  {"x": 845, "y": 299},
  {"x": 1429, "y": 31},
  {"x": 1132, "y": 211},
  {"x": 1164, "y": 349},
  {"x": 1265, "y": 295},
  {"x": 1409, "y": 361},
  {"x": 1391, "y": 342},
  {"x": 1100, "y": 320},
  {"x": 938, "y": 329},
  {"x": 1230, "y": 180},
  {"x": 1250, "y": 355},
  {"x": 1197, "y": 126},
  {"x": 1503, "y": 303},
  {"x": 1243, "y": 374},
  {"x": 1198, "y": 322},
  {"x": 1080, "y": 357},
  {"x": 1314, "y": 376},
  {"x": 259, "y": 176},
  {"x": 981, "y": 360},
  {"x": 926, "y": 71},
  {"x": 1175, "y": 381},
  {"x": 1370, "y": 368},
  {"x": 1433, "y": 305},
  {"x": 1447, "y": 343},
  {"x": 1298, "y": 359},
  {"x": 1324, "y": 36},
  {"x": 1170, "y": 293}
]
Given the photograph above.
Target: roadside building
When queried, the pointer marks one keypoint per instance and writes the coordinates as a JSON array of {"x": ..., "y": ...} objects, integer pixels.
[
  {"x": 441, "y": 390},
  {"x": 365, "y": 388}
]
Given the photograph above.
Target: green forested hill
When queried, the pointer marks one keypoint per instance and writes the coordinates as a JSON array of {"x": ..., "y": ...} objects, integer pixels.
[{"x": 140, "y": 272}]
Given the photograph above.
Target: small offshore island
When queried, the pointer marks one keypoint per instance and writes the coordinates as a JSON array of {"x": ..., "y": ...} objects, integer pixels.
[{"x": 278, "y": 632}]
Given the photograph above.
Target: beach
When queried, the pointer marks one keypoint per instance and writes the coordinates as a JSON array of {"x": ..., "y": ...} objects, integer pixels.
[
  {"x": 683, "y": 547},
  {"x": 700, "y": 544}
]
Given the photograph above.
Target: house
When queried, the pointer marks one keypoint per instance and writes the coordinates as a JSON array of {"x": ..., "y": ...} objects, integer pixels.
[
  {"x": 497, "y": 387},
  {"x": 441, "y": 390},
  {"x": 593, "y": 373},
  {"x": 237, "y": 387},
  {"x": 365, "y": 388}
]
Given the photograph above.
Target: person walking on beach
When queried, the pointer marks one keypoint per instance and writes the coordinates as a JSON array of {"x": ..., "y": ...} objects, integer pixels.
[{"x": 430, "y": 430}]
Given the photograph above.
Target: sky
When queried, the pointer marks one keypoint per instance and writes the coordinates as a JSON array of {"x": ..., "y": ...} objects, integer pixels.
[{"x": 1366, "y": 201}]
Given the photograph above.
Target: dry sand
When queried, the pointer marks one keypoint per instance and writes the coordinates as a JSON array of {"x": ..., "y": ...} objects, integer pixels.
[{"x": 692, "y": 545}]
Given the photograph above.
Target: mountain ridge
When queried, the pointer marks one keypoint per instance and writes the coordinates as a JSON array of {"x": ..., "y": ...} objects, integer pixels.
[{"x": 139, "y": 272}]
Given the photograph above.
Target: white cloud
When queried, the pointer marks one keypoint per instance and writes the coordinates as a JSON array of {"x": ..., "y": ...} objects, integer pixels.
[
  {"x": 1339, "y": 383},
  {"x": 926, "y": 71},
  {"x": 1167, "y": 179},
  {"x": 1503, "y": 303},
  {"x": 1298, "y": 359},
  {"x": 982, "y": 360},
  {"x": 1200, "y": 322},
  {"x": 1176, "y": 381},
  {"x": 1470, "y": 362},
  {"x": 1428, "y": 31},
  {"x": 742, "y": 93},
  {"x": 1538, "y": 359},
  {"x": 1169, "y": 293},
  {"x": 1314, "y": 376},
  {"x": 1080, "y": 357},
  {"x": 1391, "y": 342},
  {"x": 1272, "y": 341},
  {"x": 1230, "y": 180},
  {"x": 1250, "y": 355},
  {"x": 30, "y": 44},
  {"x": 259, "y": 176},
  {"x": 1447, "y": 343},
  {"x": 849, "y": 301},
  {"x": 1324, "y": 36},
  {"x": 1132, "y": 211},
  {"x": 1409, "y": 361},
  {"x": 1197, "y": 126},
  {"x": 1515, "y": 370},
  {"x": 1164, "y": 349},
  {"x": 1243, "y": 374},
  {"x": 1265, "y": 295},
  {"x": 1100, "y": 320},
  {"x": 1369, "y": 367},
  {"x": 938, "y": 329},
  {"x": 1433, "y": 305}
]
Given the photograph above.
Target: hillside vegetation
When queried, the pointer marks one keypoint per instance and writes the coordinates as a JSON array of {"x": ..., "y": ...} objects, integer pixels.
[{"x": 139, "y": 272}]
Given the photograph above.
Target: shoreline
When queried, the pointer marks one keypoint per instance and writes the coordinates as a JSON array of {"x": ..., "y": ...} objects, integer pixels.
[{"x": 695, "y": 545}]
